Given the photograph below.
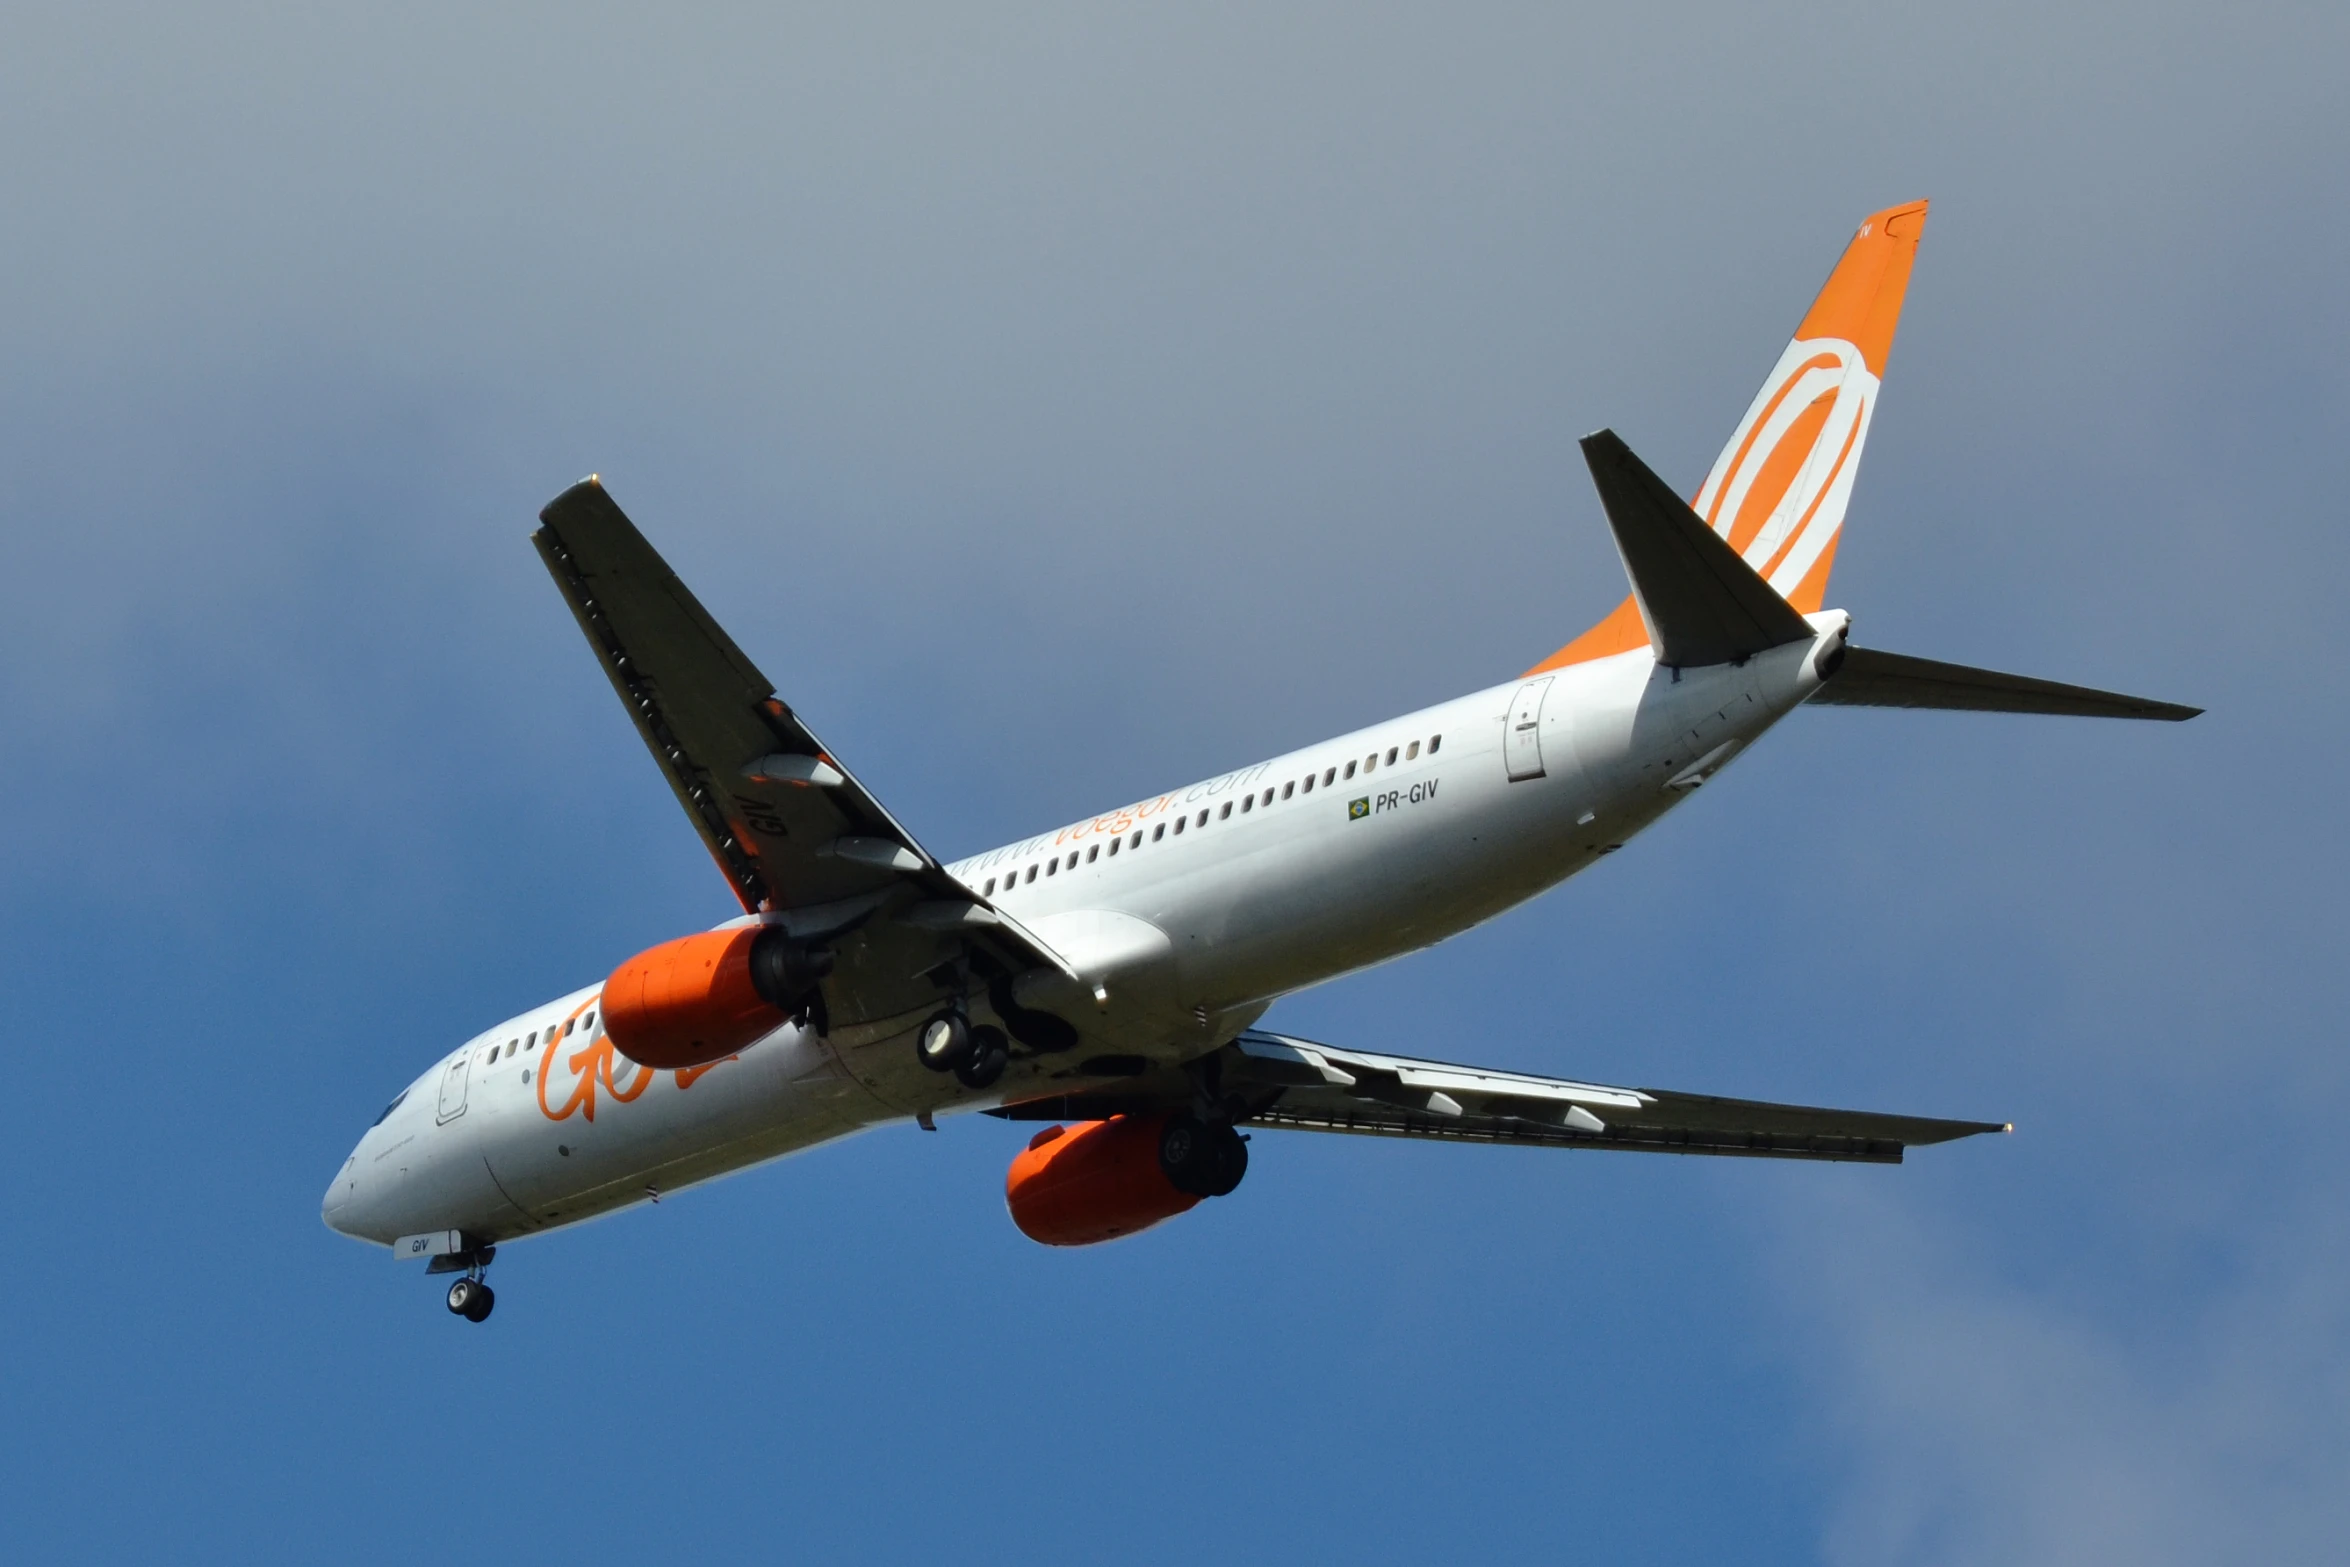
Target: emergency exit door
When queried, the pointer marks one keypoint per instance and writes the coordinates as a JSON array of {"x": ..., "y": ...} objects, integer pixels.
[
  {"x": 1522, "y": 743},
  {"x": 453, "y": 1080}
]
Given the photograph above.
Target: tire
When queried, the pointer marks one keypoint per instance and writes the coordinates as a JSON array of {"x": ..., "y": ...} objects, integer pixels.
[
  {"x": 989, "y": 1057},
  {"x": 1227, "y": 1163},
  {"x": 462, "y": 1295},
  {"x": 944, "y": 1042},
  {"x": 478, "y": 1309},
  {"x": 1202, "y": 1158},
  {"x": 1181, "y": 1143}
]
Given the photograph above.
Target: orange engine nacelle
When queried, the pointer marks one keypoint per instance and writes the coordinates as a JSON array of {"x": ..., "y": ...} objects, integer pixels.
[
  {"x": 1095, "y": 1181},
  {"x": 702, "y": 998}
]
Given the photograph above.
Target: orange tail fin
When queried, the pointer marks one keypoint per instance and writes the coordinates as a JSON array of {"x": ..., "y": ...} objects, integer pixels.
[{"x": 1778, "y": 491}]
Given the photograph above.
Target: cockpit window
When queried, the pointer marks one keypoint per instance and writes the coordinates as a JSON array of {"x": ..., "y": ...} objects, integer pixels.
[{"x": 388, "y": 1109}]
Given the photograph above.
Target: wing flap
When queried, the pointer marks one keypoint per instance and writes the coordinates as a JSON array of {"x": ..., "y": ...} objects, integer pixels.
[{"x": 1274, "y": 1080}]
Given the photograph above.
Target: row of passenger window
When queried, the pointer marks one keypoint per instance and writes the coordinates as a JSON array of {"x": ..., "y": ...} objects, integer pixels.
[
  {"x": 1330, "y": 776},
  {"x": 585, "y": 1023}
]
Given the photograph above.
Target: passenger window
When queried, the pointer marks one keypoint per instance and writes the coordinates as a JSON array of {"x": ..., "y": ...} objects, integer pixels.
[
  {"x": 1350, "y": 769},
  {"x": 1227, "y": 811},
  {"x": 1330, "y": 774},
  {"x": 1391, "y": 756},
  {"x": 589, "y": 1023},
  {"x": 1268, "y": 797},
  {"x": 568, "y": 1025},
  {"x": 1114, "y": 844},
  {"x": 1180, "y": 821},
  {"x": 1371, "y": 763},
  {"x": 1052, "y": 867},
  {"x": 1309, "y": 783},
  {"x": 531, "y": 1040},
  {"x": 1032, "y": 873},
  {"x": 1411, "y": 750},
  {"x": 1203, "y": 818},
  {"x": 989, "y": 890},
  {"x": 1072, "y": 859},
  {"x": 1248, "y": 804},
  {"x": 1137, "y": 843},
  {"x": 1290, "y": 788},
  {"x": 1433, "y": 742},
  {"x": 1158, "y": 832},
  {"x": 1093, "y": 854},
  {"x": 513, "y": 1045}
]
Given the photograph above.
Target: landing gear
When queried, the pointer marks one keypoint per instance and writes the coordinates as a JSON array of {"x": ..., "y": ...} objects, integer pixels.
[
  {"x": 944, "y": 1045},
  {"x": 977, "y": 1056},
  {"x": 472, "y": 1298},
  {"x": 1204, "y": 1158},
  {"x": 990, "y": 1054}
]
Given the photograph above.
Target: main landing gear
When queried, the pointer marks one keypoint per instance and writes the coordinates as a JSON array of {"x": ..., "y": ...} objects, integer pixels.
[
  {"x": 976, "y": 1055},
  {"x": 1204, "y": 1158}
]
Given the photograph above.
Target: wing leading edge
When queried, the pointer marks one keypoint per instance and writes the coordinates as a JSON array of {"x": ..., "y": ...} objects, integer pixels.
[{"x": 1278, "y": 1081}]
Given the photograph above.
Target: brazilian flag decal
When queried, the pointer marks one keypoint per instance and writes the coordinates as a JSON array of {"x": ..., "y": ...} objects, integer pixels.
[{"x": 1356, "y": 810}]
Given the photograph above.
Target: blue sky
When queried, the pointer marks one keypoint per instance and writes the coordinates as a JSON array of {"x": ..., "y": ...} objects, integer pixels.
[{"x": 1061, "y": 406}]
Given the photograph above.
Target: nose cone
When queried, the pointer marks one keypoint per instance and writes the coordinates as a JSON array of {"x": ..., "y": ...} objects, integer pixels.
[{"x": 337, "y": 1203}]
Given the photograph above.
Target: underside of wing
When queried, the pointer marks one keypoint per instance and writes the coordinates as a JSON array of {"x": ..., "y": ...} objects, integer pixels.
[
  {"x": 798, "y": 838},
  {"x": 1277, "y": 1081}
]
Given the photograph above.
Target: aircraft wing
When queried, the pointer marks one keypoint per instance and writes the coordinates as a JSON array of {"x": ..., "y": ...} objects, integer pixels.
[
  {"x": 790, "y": 827},
  {"x": 1274, "y": 1080}
]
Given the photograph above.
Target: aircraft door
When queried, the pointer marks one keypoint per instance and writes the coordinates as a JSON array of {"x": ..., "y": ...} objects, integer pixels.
[
  {"x": 1522, "y": 742},
  {"x": 453, "y": 1082}
]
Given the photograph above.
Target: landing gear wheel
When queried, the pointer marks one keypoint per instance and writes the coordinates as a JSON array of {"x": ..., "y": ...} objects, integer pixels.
[
  {"x": 1206, "y": 1159},
  {"x": 471, "y": 1299},
  {"x": 945, "y": 1042},
  {"x": 1227, "y": 1163},
  {"x": 990, "y": 1054}
]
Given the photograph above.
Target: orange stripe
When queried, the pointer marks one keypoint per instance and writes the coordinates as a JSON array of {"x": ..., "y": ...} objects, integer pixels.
[
  {"x": 1779, "y": 470},
  {"x": 1762, "y": 423},
  {"x": 1812, "y": 591},
  {"x": 1851, "y": 438}
]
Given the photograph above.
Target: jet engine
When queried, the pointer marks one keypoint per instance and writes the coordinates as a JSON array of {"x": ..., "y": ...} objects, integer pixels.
[
  {"x": 701, "y": 998},
  {"x": 1098, "y": 1180}
]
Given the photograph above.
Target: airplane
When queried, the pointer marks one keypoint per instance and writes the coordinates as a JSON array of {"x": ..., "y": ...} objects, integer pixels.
[{"x": 1107, "y": 978}]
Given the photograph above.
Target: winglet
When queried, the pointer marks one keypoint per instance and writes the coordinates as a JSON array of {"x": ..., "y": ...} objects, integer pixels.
[{"x": 1700, "y": 602}]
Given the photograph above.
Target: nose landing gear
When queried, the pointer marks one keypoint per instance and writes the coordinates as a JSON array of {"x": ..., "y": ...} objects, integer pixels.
[
  {"x": 472, "y": 1299},
  {"x": 471, "y": 1296}
]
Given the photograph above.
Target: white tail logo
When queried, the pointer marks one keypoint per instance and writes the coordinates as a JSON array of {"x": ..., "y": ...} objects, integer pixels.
[{"x": 1779, "y": 489}]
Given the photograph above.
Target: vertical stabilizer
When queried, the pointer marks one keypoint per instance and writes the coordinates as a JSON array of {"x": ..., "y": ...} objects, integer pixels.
[{"x": 1778, "y": 491}]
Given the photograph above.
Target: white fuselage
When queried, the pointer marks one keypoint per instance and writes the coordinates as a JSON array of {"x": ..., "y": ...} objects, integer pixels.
[{"x": 1282, "y": 875}]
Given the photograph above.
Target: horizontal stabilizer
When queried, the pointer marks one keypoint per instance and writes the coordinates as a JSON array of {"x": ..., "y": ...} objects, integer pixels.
[
  {"x": 1868, "y": 678},
  {"x": 1702, "y": 604}
]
